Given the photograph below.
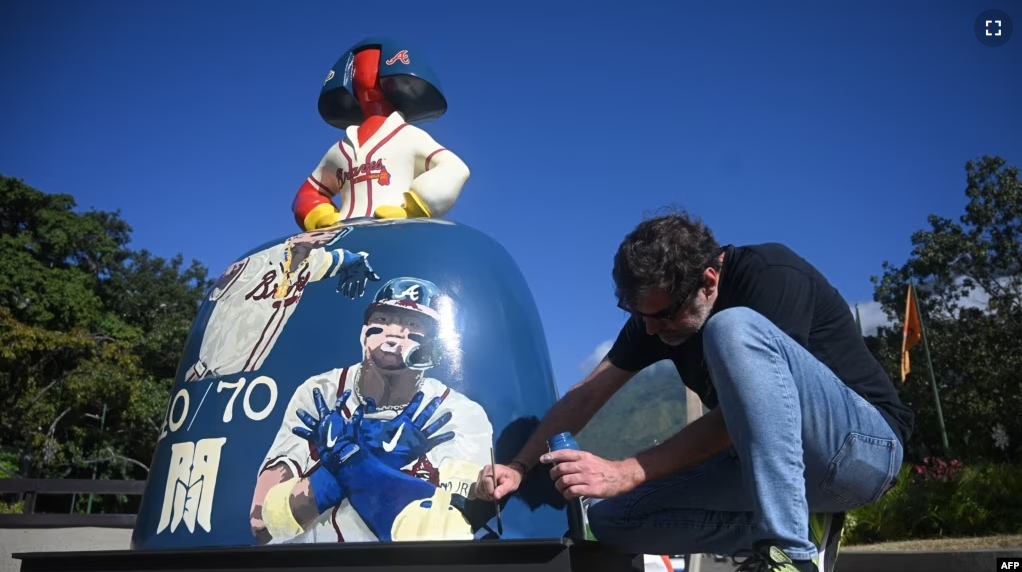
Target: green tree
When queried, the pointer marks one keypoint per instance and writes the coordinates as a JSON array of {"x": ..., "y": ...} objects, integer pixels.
[
  {"x": 86, "y": 323},
  {"x": 969, "y": 283}
]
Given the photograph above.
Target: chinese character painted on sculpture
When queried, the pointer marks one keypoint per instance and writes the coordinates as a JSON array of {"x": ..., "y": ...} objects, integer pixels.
[{"x": 383, "y": 166}]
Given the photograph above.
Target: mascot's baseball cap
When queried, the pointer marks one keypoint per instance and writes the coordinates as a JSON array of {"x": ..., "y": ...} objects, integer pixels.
[{"x": 407, "y": 81}]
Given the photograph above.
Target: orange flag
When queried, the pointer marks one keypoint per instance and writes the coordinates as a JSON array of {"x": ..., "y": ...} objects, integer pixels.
[{"x": 912, "y": 331}]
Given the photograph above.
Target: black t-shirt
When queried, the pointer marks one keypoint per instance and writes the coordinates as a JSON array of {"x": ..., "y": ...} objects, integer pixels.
[{"x": 774, "y": 281}]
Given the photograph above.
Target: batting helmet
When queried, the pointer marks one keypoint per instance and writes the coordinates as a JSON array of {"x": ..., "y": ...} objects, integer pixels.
[
  {"x": 414, "y": 295},
  {"x": 407, "y": 81}
]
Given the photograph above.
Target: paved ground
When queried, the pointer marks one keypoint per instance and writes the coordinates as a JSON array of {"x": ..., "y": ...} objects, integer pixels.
[
  {"x": 58, "y": 540},
  {"x": 718, "y": 567},
  {"x": 903, "y": 561},
  {"x": 74, "y": 539}
]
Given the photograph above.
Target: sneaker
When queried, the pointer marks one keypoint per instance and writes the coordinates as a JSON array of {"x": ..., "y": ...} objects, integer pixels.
[
  {"x": 767, "y": 558},
  {"x": 825, "y": 533}
]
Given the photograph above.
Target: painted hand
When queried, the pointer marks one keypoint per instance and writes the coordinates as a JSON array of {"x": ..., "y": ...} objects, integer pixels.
[
  {"x": 403, "y": 439},
  {"x": 355, "y": 272},
  {"x": 335, "y": 439},
  {"x": 580, "y": 473}
]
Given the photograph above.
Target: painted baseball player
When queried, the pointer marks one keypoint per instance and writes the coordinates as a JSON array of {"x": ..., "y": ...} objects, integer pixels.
[
  {"x": 256, "y": 296},
  {"x": 383, "y": 166},
  {"x": 377, "y": 450}
]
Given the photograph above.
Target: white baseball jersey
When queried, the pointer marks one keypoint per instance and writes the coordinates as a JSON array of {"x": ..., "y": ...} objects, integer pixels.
[
  {"x": 399, "y": 157},
  {"x": 472, "y": 440},
  {"x": 248, "y": 317}
]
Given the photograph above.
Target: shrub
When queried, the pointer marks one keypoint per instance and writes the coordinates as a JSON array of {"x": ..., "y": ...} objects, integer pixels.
[
  {"x": 939, "y": 498},
  {"x": 12, "y": 508}
]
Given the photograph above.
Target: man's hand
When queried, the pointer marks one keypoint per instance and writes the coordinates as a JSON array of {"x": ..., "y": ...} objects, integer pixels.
[
  {"x": 579, "y": 473},
  {"x": 508, "y": 481}
]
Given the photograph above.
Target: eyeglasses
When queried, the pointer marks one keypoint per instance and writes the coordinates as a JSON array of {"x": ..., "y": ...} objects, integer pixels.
[{"x": 666, "y": 315}]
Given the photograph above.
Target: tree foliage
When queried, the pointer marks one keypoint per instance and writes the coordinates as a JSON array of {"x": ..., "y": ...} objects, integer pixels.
[
  {"x": 969, "y": 285},
  {"x": 90, "y": 337}
]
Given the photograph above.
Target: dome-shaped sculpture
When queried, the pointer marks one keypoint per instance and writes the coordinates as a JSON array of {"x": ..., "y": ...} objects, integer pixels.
[{"x": 347, "y": 385}]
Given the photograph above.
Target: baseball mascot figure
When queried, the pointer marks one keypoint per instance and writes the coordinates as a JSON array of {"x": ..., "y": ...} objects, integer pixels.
[{"x": 383, "y": 166}]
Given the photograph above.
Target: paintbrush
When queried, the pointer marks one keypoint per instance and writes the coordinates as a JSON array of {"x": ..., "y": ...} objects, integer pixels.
[{"x": 496, "y": 503}]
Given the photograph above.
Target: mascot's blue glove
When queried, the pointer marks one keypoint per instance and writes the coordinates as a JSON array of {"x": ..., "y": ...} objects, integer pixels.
[
  {"x": 399, "y": 441},
  {"x": 355, "y": 272},
  {"x": 335, "y": 440}
]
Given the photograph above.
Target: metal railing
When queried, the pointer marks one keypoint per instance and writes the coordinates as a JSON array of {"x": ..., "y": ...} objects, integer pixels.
[{"x": 30, "y": 489}]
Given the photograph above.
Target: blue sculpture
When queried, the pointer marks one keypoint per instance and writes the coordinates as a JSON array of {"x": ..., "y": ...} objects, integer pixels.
[{"x": 347, "y": 385}]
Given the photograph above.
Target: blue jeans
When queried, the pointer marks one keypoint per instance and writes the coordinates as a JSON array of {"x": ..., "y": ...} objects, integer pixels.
[{"x": 802, "y": 442}]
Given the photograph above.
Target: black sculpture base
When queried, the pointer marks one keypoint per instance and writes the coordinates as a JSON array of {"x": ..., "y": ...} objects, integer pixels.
[{"x": 548, "y": 555}]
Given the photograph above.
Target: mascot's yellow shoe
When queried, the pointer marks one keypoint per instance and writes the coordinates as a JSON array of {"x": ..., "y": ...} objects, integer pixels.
[
  {"x": 323, "y": 216},
  {"x": 390, "y": 211},
  {"x": 413, "y": 207}
]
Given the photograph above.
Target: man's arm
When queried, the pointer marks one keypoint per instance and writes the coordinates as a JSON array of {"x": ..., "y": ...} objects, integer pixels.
[
  {"x": 693, "y": 444},
  {"x": 581, "y": 473},
  {"x": 630, "y": 354},
  {"x": 573, "y": 411}
]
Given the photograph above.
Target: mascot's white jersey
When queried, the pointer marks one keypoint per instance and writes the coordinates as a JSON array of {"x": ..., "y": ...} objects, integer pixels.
[
  {"x": 397, "y": 158},
  {"x": 452, "y": 465}
]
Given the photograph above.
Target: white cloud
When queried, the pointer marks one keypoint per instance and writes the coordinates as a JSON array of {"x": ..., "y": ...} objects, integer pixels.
[
  {"x": 593, "y": 359},
  {"x": 872, "y": 316},
  {"x": 979, "y": 297}
]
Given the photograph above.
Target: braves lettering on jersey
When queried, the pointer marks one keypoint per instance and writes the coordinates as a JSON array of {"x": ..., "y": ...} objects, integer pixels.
[
  {"x": 451, "y": 466},
  {"x": 254, "y": 298},
  {"x": 397, "y": 158}
]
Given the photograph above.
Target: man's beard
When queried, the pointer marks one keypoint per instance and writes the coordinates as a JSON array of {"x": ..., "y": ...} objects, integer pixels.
[{"x": 689, "y": 327}]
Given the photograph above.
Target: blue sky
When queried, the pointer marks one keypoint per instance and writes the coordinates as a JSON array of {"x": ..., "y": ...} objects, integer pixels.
[{"x": 833, "y": 127}]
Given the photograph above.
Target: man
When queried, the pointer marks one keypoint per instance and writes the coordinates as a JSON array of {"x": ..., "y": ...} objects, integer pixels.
[
  {"x": 803, "y": 419},
  {"x": 395, "y": 457},
  {"x": 255, "y": 297}
]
